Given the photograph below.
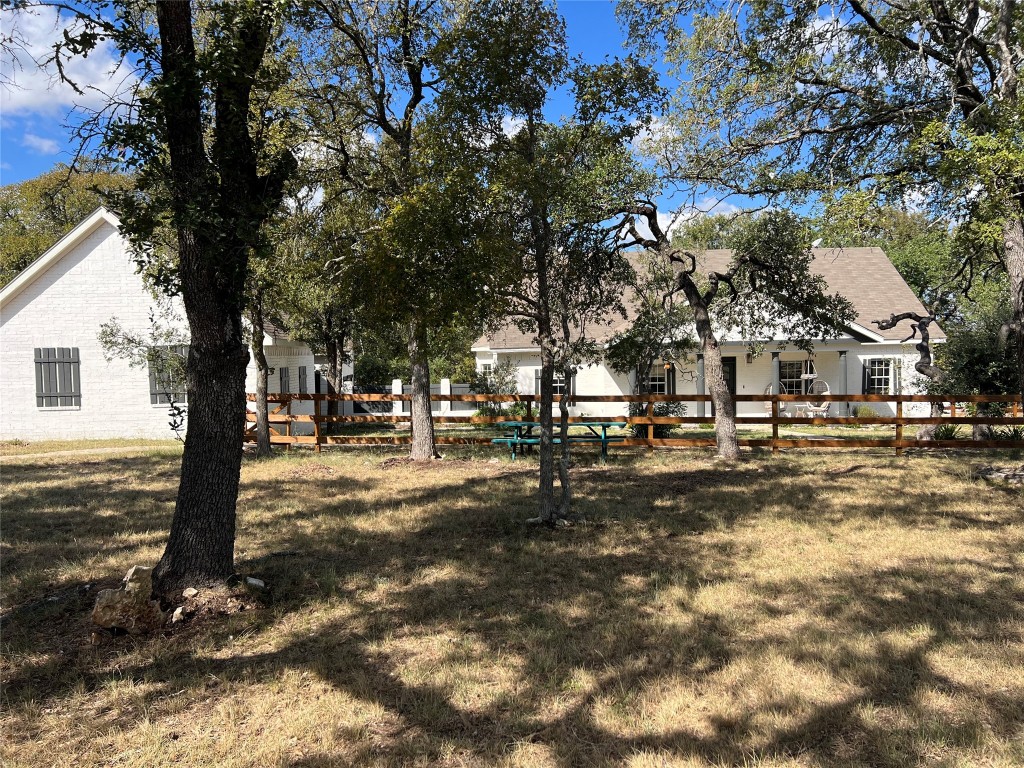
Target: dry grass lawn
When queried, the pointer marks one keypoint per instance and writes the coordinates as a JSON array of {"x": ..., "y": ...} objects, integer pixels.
[{"x": 840, "y": 609}]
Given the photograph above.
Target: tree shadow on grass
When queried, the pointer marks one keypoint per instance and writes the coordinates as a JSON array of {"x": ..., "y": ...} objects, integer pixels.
[{"x": 594, "y": 621}]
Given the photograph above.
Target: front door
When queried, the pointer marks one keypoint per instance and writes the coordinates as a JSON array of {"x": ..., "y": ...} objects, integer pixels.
[{"x": 729, "y": 371}]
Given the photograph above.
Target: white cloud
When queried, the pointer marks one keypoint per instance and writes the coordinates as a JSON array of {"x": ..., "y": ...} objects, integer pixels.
[
  {"x": 654, "y": 135},
  {"x": 510, "y": 126},
  {"x": 28, "y": 87},
  {"x": 40, "y": 145}
]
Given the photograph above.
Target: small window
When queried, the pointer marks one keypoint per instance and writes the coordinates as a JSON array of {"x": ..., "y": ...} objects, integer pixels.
[
  {"x": 878, "y": 376},
  {"x": 167, "y": 374},
  {"x": 58, "y": 381},
  {"x": 661, "y": 380},
  {"x": 558, "y": 385},
  {"x": 303, "y": 386},
  {"x": 486, "y": 370},
  {"x": 285, "y": 381}
]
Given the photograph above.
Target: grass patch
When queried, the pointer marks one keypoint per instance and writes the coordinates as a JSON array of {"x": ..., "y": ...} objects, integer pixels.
[
  {"x": 842, "y": 609},
  {"x": 25, "y": 447}
]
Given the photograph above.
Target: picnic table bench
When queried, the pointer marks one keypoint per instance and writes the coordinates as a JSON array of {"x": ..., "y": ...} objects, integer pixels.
[{"x": 522, "y": 435}]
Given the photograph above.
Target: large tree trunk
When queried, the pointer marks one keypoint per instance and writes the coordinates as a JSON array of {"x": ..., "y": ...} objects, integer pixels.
[
  {"x": 714, "y": 374},
  {"x": 1013, "y": 242},
  {"x": 423, "y": 448},
  {"x": 263, "y": 448},
  {"x": 213, "y": 264}
]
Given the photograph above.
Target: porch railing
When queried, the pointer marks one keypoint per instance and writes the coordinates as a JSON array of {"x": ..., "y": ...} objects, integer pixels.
[{"x": 283, "y": 420}]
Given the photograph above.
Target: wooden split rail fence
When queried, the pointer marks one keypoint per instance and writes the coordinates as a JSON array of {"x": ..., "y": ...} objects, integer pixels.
[{"x": 282, "y": 419}]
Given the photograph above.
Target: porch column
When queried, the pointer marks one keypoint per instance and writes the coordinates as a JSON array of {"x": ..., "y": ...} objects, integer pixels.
[
  {"x": 700, "y": 385},
  {"x": 843, "y": 382},
  {"x": 776, "y": 374}
]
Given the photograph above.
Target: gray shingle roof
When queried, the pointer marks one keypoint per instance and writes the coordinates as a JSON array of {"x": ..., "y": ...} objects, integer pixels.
[{"x": 865, "y": 276}]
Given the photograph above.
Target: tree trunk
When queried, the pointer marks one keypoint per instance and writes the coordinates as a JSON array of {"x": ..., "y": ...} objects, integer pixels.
[
  {"x": 423, "y": 448},
  {"x": 714, "y": 374},
  {"x": 263, "y": 449},
  {"x": 546, "y": 513},
  {"x": 200, "y": 548},
  {"x": 213, "y": 265},
  {"x": 565, "y": 503},
  {"x": 1013, "y": 241},
  {"x": 335, "y": 378}
]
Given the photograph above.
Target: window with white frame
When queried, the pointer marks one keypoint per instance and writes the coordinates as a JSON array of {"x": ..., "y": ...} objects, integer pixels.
[
  {"x": 558, "y": 385},
  {"x": 878, "y": 376},
  {"x": 796, "y": 376},
  {"x": 486, "y": 369},
  {"x": 661, "y": 379},
  {"x": 167, "y": 374}
]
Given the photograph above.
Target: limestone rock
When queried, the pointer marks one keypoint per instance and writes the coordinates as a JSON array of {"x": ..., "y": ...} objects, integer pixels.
[
  {"x": 253, "y": 582},
  {"x": 178, "y": 615},
  {"x": 130, "y": 608},
  {"x": 189, "y": 592}
]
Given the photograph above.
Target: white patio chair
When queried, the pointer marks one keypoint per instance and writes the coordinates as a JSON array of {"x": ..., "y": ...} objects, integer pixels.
[
  {"x": 818, "y": 408},
  {"x": 783, "y": 406}
]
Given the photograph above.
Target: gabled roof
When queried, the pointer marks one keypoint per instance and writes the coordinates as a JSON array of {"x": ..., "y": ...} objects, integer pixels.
[
  {"x": 865, "y": 276},
  {"x": 57, "y": 251}
]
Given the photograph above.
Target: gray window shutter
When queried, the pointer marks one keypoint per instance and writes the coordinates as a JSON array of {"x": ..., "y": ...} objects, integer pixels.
[
  {"x": 536, "y": 382},
  {"x": 58, "y": 377},
  {"x": 285, "y": 384},
  {"x": 302, "y": 380}
]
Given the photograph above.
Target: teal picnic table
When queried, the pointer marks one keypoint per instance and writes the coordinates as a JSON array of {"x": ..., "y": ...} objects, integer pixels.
[{"x": 521, "y": 435}]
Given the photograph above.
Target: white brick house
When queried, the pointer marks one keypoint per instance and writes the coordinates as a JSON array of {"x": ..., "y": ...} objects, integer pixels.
[
  {"x": 862, "y": 360},
  {"x": 54, "y": 380}
]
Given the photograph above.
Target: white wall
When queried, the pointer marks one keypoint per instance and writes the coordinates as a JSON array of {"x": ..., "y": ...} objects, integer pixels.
[
  {"x": 64, "y": 307},
  {"x": 590, "y": 380},
  {"x": 751, "y": 378}
]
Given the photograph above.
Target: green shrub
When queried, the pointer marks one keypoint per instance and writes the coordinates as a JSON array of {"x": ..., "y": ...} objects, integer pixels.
[
  {"x": 661, "y": 431},
  {"x": 1015, "y": 433},
  {"x": 864, "y": 412},
  {"x": 947, "y": 432}
]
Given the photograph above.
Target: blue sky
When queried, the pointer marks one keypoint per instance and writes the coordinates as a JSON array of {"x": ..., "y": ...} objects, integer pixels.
[{"x": 34, "y": 116}]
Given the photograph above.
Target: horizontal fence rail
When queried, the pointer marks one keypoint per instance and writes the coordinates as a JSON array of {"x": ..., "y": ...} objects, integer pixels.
[{"x": 959, "y": 407}]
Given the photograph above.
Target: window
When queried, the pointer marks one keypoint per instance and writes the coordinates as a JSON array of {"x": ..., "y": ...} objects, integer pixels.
[
  {"x": 662, "y": 380},
  {"x": 57, "y": 377},
  {"x": 303, "y": 387},
  {"x": 285, "y": 381},
  {"x": 878, "y": 376},
  {"x": 167, "y": 374},
  {"x": 486, "y": 369},
  {"x": 559, "y": 384},
  {"x": 792, "y": 376}
]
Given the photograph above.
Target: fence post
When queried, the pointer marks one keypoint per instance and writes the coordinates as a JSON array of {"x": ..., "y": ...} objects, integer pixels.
[
  {"x": 529, "y": 409},
  {"x": 446, "y": 389},
  {"x": 775, "y": 423},
  {"x": 288, "y": 424},
  {"x": 396, "y": 406},
  {"x": 650, "y": 425},
  {"x": 316, "y": 421},
  {"x": 899, "y": 427}
]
